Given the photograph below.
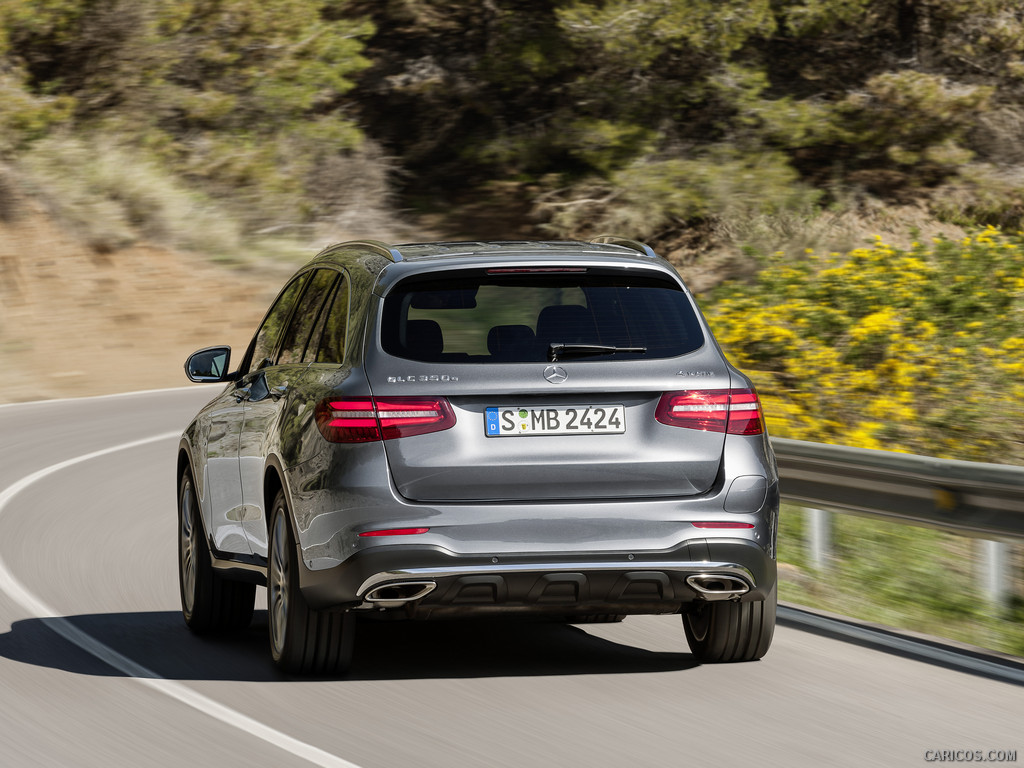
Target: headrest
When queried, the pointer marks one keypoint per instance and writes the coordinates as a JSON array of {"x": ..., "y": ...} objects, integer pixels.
[
  {"x": 569, "y": 323},
  {"x": 424, "y": 338},
  {"x": 503, "y": 339}
]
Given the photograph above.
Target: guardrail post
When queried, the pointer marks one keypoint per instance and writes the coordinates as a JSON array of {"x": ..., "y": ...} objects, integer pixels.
[
  {"x": 993, "y": 574},
  {"x": 819, "y": 537}
]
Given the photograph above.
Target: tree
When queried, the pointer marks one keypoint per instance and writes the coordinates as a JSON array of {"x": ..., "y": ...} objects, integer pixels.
[{"x": 244, "y": 94}]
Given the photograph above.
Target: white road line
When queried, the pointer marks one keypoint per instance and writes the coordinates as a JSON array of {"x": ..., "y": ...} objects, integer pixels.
[
  {"x": 110, "y": 396},
  {"x": 52, "y": 619}
]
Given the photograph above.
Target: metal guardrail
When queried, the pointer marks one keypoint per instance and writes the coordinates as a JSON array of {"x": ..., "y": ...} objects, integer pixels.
[{"x": 965, "y": 497}]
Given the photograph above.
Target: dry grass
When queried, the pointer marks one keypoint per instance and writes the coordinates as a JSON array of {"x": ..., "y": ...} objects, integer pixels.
[
  {"x": 354, "y": 197},
  {"x": 114, "y": 196},
  {"x": 999, "y": 135}
]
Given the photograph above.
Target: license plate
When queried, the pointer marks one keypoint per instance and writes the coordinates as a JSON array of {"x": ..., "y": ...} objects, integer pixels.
[{"x": 510, "y": 421}]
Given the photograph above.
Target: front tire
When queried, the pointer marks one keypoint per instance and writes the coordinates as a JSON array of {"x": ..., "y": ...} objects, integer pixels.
[
  {"x": 210, "y": 603},
  {"x": 727, "y": 631},
  {"x": 302, "y": 640}
]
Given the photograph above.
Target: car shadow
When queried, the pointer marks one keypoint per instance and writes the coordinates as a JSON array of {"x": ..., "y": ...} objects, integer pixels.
[{"x": 159, "y": 645}]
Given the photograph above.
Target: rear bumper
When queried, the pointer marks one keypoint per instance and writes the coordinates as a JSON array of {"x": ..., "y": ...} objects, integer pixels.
[{"x": 424, "y": 581}]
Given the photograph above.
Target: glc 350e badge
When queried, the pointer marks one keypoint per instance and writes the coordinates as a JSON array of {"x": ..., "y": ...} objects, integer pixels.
[{"x": 421, "y": 377}]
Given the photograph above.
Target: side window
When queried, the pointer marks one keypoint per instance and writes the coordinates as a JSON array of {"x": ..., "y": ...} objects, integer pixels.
[
  {"x": 313, "y": 347},
  {"x": 332, "y": 342},
  {"x": 268, "y": 334},
  {"x": 305, "y": 316}
]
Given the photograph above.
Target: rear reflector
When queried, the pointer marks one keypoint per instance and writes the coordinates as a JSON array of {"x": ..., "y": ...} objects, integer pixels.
[
  {"x": 397, "y": 532},
  {"x": 718, "y": 525},
  {"x": 734, "y": 411},
  {"x": 368, "y": 419}
]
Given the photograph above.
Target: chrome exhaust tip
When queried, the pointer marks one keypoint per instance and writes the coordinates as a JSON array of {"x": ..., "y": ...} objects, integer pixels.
[
  {"x": 713, "y": 586},
  {"x": 399, "y": 593}
]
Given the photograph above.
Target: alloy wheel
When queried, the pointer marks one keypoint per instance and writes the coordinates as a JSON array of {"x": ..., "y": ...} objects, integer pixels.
[
  {"x": 699, "y": 622},
  {"x": 187, "y": 548},
  {"x": 277, "y": 582}
]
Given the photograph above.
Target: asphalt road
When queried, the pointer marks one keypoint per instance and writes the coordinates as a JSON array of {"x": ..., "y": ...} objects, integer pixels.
[{"x": 88, "y": 561}]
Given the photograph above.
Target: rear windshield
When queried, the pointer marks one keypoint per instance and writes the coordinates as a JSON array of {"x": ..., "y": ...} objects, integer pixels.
[{"x": 515, "y": 318}]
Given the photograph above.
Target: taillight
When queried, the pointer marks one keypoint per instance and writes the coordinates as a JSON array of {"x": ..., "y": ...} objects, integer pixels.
[
  {"x": 348, "y": 421},
  {"x": 405, "y": 416},
  {"x": 745, "y": 415},
  {"x": 368, "y": 419},
  {"x": 734, "y": 411}
]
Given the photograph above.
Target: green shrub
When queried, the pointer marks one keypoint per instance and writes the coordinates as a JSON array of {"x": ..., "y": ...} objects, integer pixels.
[
  {"x": 910, "y": 118},
  {"x": 24, "y": 118},
  {"x": 647, "y": 196}
]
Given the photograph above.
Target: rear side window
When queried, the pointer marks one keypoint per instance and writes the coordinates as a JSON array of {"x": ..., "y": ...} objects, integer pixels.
[
  {"x": 305, "y": 316},
  {"x": 332, "y": 339},
  {"x": 516, "y": 318}
]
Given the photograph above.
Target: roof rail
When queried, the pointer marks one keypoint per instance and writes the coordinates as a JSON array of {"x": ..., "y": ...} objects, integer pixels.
[
  {"x": 383, "y": 249},
  {"x": 636, "y": 245}
]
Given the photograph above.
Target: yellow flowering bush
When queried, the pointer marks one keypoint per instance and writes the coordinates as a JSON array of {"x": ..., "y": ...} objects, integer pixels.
[{"x": 918, "y": 350}]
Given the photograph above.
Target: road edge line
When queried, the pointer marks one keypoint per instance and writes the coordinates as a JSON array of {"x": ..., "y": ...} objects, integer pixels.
[
  {"x": 37, "y": 608},
  {"x": 106, "y": 396}
]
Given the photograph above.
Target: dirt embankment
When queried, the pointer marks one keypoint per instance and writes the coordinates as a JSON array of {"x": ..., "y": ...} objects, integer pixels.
[{"x": 74, "y": 322}]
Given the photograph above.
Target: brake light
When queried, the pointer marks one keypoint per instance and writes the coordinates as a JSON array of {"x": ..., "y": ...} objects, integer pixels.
[
  {"x": 734, "y": 411},
  {"x": 368, "y": 419},
  {"x": 533, "y": 270},
  {"x": 713, "y": 524}
]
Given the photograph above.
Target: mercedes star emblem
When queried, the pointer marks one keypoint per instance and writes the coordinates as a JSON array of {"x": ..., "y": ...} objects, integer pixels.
[{"x": 555, "y": 374}]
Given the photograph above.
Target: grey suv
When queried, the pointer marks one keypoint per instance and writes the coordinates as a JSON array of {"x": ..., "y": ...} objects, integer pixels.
[{"x": 477, "y": 428}]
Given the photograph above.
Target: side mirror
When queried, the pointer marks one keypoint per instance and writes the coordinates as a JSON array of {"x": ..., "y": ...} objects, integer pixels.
[{"x": 209, "y": 365}]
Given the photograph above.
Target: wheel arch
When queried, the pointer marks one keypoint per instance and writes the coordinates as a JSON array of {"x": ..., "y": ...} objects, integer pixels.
[
  {"x": 184, "y": 461},
  {"x": 273, "y": 481}
]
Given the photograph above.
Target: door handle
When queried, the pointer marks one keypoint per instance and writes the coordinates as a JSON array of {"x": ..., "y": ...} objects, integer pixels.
[
  {"x": 242, "y": 394},
  {"x": 278, "y": 392}
]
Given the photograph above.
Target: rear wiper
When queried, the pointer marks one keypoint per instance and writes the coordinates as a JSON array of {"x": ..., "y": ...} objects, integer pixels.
[{"x": 558, "y": 350}]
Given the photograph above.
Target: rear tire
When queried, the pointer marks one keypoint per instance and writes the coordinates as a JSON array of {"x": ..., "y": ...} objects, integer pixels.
[
  {"x": 727, "y": 631},
  {"x": 210, "y": 603},
  {"x": 302, "y": 640}
]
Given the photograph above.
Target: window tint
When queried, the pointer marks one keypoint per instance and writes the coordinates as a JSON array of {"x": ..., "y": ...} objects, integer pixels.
[
  {"x": 269, "y": 333},
  {"x": 332, "y": 341},
  {"x": 502, "y": 318},
  {"x": 305, "y": 316}
]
